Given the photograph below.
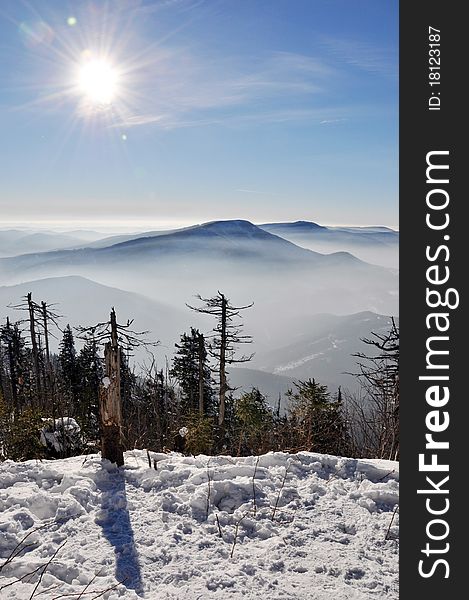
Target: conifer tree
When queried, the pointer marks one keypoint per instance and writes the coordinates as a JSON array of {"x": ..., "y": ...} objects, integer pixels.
[
  {"x": 70, "y": 379},
  {"x": 192, "y": 372},
  {"x": 89, "y": 367},
  {"x": 16, "y": 367},
  {"x": 255, "y": 420},
  {"x": 316, "y": 417},
  {"x": 226, "y": 336}
]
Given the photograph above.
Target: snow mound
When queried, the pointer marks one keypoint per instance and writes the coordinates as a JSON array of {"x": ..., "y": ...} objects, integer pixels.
[{"x": 278, "y": 526}]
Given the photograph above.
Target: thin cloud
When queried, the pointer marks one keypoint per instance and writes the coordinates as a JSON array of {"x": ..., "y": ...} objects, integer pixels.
[
  {"x": 184, "y": 91},
  {"x": 135, "y": 120},
  {"x": 377, "y": 60},
  {"x": 168, "y": 121},
  {"x": 159, "y": 5},
  {"x": 331, "y": 121}
]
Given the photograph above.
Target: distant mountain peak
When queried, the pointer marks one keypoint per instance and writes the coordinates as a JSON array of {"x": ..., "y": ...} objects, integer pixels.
[
  {"x": 231, "y": 226},
  {"x": 236, "y": 229},
  {"x": 304, "y": 226},
  {"x": 310, "y": 224}
]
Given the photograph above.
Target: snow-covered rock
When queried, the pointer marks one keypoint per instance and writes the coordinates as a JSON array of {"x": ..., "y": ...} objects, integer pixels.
[
  {"x": 308, "y": 526},
  {"x": 60, "y": 435}
]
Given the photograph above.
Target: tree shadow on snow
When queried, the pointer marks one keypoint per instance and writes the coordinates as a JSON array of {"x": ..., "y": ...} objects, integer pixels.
[{"x": 114, "y": 520}]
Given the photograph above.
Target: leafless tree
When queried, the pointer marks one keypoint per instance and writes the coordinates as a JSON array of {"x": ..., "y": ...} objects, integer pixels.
[
  {"x": 375, "y": 413},
  {"x": 226, "y": 336},
  {"x": 40, "y": 321}
]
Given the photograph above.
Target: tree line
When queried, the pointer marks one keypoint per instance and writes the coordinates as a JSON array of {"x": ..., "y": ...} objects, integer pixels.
[{"x": 90, "y": 398}]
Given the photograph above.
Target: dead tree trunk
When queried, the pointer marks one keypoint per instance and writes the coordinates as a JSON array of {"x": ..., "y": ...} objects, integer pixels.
[
  {"x": 49, "y": 378},
  {"x": 223, "y": 381},
  {"x": 13, "y": 374},
  {"x": 110, "y": 406},
  {"x": 46, "y": 331},
  {"x": 201, "y": 374},
  {"x": 115, "y": 337},
  {"x": 226, "y": 336},
  {"x": 32, "y": 331}
]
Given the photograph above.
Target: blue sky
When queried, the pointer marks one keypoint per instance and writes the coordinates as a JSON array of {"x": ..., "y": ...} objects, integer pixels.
[{"x": 266, "y": 110}]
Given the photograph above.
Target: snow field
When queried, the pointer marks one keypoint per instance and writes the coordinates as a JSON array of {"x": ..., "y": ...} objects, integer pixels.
[{"x": 306, "y": 526}]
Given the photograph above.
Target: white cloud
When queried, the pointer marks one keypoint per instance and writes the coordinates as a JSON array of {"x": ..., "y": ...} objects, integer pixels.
[{"x": 331, "y": 121}]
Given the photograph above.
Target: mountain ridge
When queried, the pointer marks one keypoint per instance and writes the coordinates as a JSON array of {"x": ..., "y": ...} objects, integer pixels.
[{"x": 227, "y": 235}]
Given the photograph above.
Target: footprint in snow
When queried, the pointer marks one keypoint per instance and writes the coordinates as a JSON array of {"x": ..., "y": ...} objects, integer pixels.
[{"x": 355, "y": 573}]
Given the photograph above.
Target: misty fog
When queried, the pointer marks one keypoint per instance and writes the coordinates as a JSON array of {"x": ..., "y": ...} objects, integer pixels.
[{"x": 150, "y": 278}]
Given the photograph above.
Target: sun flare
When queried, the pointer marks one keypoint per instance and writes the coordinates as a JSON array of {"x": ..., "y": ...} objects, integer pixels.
[{"x": 98, "y": 81}]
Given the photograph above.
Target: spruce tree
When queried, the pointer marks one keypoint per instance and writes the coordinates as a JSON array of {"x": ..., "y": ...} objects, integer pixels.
[
  {"x": 192, "y": 372},
  {"x": 255, "y": 420},
  {"x": 17, "y": 367},
  {"x": 69, "y": 376},
  {"x": 316, "y": 417},
  {"x": 91, "y": 373},
  {"x": 127, "y": 392}
]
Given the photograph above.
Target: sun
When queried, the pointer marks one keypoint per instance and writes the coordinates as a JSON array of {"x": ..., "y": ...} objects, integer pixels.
[{"x": 98, "y": 81}]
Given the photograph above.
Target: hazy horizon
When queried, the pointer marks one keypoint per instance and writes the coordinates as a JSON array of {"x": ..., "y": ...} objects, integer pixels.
[{"x": 142, "y": 226}]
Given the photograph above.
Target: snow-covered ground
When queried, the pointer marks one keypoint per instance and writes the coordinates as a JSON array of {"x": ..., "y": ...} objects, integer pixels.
[{"x": 169, "y": 533}]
